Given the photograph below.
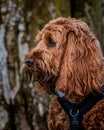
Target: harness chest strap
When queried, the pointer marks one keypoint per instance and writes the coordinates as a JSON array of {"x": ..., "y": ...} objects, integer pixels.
[{"x": 76, "y": 112}]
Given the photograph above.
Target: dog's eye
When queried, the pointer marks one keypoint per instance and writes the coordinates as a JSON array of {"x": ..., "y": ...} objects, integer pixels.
[{"x": 51, "y": 42}]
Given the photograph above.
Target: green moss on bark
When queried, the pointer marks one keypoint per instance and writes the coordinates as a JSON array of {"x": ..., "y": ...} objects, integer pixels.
[{"x": 62, "y": 7}]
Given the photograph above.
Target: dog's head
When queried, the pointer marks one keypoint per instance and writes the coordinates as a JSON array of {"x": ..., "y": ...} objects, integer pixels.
[{"x": 68, "y": 56}]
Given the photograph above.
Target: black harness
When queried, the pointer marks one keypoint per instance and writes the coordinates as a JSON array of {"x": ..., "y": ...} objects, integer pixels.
[{"x": 76, "y": 111}]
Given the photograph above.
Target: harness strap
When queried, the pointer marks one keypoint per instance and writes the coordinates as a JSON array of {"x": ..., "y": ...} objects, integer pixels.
[
  {"x": 76, "y": 111},
  {"x": 72, "y": 112},
  {"x": 89, "y": 102}
]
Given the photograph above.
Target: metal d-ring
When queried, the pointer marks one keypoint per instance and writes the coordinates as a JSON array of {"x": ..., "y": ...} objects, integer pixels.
[
  {"x": 74, "y": 120},
  {"x": 74, "y": 112}
]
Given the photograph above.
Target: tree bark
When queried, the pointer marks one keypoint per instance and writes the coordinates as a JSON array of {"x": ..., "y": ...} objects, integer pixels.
[{"x": 21, "y": 106}]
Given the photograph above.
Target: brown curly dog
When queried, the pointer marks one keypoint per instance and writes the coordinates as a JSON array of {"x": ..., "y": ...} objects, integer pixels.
[{"x": 68, "y": 58}]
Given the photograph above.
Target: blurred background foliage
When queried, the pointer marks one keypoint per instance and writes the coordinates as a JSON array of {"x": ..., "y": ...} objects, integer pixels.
[{"x": 21, "y": 106}]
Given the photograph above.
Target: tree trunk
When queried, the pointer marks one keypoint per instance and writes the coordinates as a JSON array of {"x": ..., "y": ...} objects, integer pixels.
[{"x": 21, "y": 106}]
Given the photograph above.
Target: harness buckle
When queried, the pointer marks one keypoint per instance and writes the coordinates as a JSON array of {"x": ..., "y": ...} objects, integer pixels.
[{"x": 74, "y": 114}]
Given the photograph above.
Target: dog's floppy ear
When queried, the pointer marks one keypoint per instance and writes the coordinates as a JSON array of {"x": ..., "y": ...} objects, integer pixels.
[{"x": 82, "y": 65}]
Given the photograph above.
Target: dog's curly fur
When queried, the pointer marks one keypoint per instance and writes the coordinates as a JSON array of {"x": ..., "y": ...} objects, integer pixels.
[{"x": 68, "y": 56}]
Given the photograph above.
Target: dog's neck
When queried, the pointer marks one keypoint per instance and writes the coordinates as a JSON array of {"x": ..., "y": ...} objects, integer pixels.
[
  {"x": 75, "y": 99},
  {"x": 71, "y": 98},
  {"x": 52, "y": 89}
]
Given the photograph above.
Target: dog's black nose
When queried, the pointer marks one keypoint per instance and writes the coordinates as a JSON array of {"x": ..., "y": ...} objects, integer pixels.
[{"x": 29, "y": 61}]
